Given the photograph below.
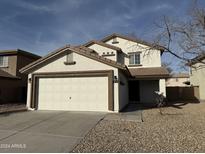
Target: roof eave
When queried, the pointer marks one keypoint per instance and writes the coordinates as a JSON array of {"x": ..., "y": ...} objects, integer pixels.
[
  {"x": 151, "y": 76},
  {"x": 30, "y": 67},
  {"x": 109, "y": 37},
  {"x": 19, "y": 51},
  {"x": 102, "y": 44}
]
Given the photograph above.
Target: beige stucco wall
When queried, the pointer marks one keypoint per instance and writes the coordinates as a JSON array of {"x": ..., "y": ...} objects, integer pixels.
[
  {"x": 12, "y": 65},
  {"x": 82, "y": 64},
  {"x": 162, "y": 86},
  {"x": 100, "y": 49},
  {"x": 28, "y": 102},
  {"x": 123, "y": 91},
  {"x": 151, "y": 58},
  {"x": 197, "y": 78}
]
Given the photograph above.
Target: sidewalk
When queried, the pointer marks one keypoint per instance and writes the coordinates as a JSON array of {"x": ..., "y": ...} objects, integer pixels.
[{"x": 133, "y": 112}]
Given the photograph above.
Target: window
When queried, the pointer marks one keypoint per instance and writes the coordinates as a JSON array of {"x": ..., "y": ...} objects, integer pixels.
[
  {"x": 134, "y": 59},
  {"x": 3, "y": 61}
]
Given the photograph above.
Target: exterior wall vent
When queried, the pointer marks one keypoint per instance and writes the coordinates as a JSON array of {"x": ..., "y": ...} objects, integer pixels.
[{"x": 114, "y": 41}]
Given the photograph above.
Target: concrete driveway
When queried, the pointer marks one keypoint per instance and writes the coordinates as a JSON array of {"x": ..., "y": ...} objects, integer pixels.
[{"x": 45, "y": 131}]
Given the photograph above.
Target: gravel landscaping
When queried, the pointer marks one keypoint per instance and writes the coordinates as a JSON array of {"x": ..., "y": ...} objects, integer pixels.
[{"x": 180, "y": 129}]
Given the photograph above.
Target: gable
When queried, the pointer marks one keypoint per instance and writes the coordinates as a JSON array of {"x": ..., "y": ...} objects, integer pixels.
[
  {"x": 149, "y": 57},
  {"x": 80, "y": 50},
  {"x": 132, "y": 39},
  {"x": 104, "y": 51},
  {"x": 88, "y": 44},
  {"x": 125, "y": 44},
  {"x": 100, "y": 49},
  {"x": 81, "y": 64}
]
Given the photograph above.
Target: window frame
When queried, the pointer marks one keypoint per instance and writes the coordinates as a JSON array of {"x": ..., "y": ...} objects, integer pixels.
[
  {"x": 5, "y": 61},
  {"x": 136, "y": 58}
]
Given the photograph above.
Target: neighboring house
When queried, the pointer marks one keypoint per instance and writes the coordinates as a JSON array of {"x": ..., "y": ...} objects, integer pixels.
[
  {"x": 13, "y": 84},
  {"x": 101, "y": 75},
  {"x": 197, "y": 74},
  {"x": 178, "y": 80}
]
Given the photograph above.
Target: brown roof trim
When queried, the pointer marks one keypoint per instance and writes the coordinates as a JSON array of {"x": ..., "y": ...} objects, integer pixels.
[
  {"x": 19, "y": 51},
  {"x": 180, "y": 75},
  {"x": 197, "y": 59},
  {"x": 149, "y": 72},
  {"x": 81, "y": 50},
  {"x": 151, "y": 77},
  {"x": 102, "y": 44},
  {"x": 37, "y": 62},
  {"x": 152, "y": 45},
  {"x": 84, "y": 51}
]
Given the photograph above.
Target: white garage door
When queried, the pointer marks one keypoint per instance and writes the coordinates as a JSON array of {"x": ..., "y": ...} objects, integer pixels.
[{"x": 74, "y": 94}]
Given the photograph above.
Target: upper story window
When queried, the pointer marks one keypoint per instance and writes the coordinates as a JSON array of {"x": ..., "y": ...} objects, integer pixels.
[
  {"x": 134, "y": 58},
  {"x": 3, "y": 61}
]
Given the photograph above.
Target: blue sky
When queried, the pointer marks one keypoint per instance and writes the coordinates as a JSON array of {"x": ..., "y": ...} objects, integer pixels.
[{"x": 41, "y": 26}]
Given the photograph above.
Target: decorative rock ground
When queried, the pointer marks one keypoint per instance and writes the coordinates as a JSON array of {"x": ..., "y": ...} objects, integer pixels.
[{"x": 177, "y": 130}]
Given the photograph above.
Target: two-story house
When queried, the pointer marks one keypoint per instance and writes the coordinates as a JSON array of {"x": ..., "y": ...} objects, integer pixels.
[
  {"x": 13, "y": 84},
  {"x": 101, "y": 75},
  {"x": 197, "y": 74}
]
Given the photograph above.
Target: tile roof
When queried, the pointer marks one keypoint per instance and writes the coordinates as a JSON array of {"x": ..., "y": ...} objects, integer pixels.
[
  {"x": 102, "y": 44},
  {"x": 42, "y": 59},
  {"x": 152, "y": 45},
  {"x": 85, "y": 51},
  {"x": 82, "y": 50},
  {"x": 149, "y": 72},
  {"x": 4, "y": 74}
]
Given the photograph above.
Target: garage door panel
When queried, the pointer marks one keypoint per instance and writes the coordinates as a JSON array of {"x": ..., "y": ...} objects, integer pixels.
[{"x": 79, "y": 94}]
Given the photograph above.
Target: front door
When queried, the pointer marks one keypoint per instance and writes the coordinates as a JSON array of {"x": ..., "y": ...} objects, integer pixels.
[{"x": 134, "y": 91}]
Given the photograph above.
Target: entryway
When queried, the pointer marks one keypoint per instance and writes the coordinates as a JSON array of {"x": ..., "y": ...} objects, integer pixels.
[{"x": 134, "y": 91}]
